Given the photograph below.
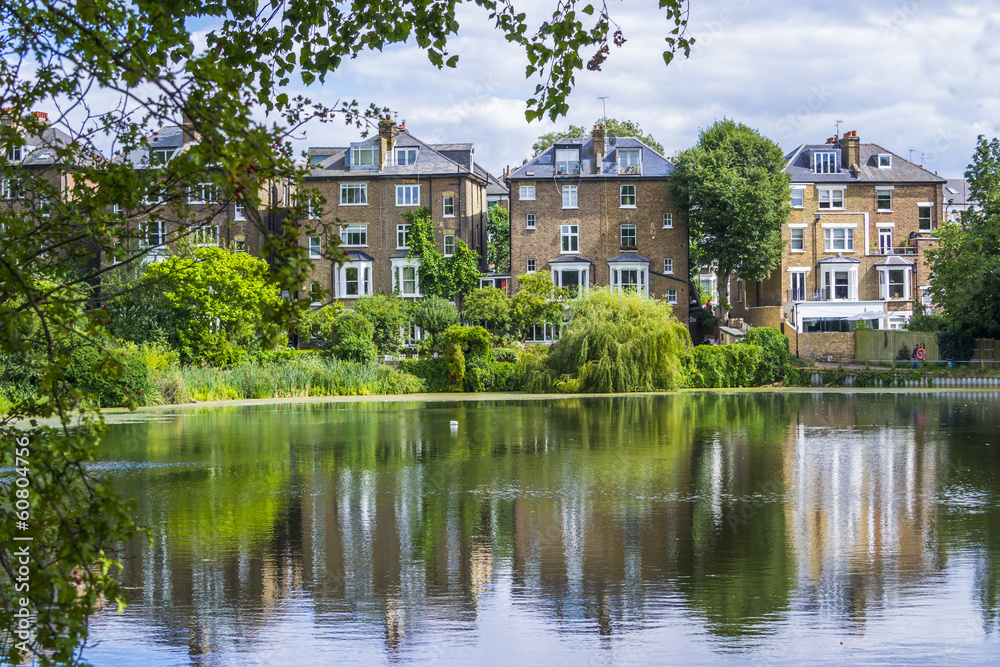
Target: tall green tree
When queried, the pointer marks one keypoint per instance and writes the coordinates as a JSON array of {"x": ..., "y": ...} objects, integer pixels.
[
  {"x": 447, "y": 277},
  {"x": 734, "y": 190},
  {"x": 498, "y": 239},
  {"x": 965, "y": 265},
  {"x": 222, "y": 65},
  {"x": 613, "y": 127}
]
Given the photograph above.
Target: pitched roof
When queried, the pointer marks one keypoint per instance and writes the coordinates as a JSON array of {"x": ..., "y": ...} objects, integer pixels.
[
  {"x": 43, "y": 148},
  {"x": 543, "y": 165},
  {"x": 432, "y": 160},
  {"x": 957, "y": 191},
  {"x": 800, "y": 166}
]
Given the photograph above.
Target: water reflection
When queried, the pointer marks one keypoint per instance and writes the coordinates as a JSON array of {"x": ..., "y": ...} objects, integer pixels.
[{"x": 729, "y": 524}]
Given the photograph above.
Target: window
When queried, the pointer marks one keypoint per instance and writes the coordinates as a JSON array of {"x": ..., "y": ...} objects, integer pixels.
[
  {"x": 313, "y": 211},
  {"x": 885, "y": 241},
  {"x": 449, "y": 245},
  {"x": 239, "y": 211},
  {"x": 407, "y": 195},
  {"x": 668, "y": 220},
  {"x": 837, "y": 284},
  {"x": 668, "y": 264},
  {"x": 286, "y": 195},
  {"x": 883, "y": 199},
  {"x": 571, "y": 276},
  {"x": 569, "y": 196},
  {"x": 365, "y": 155},
  {"x": 839, "y": 238},
  {"x": 798, "y": 282},
  {"x": 926, "y": 298},
  {"x": 825, "y": 162},
  {"x": 924, "y": 216},
  {"x": 409, "y": 286},
  {"x": 628, "y": 237},
  {"x": 315, "y": 294},
  {"x": 354, "y": 279},
  {"x": 10, "y": 188},
  {"x": 798, "y": 197},
  {"x": 406, "y": 277},
  {"x": 118, "y": 209},
  {"x": 315, "y": 247},
  {"x": 203, "y": 193},
  {"x": 530, "y": 268},
  {"x": 152, "y": 233},
  {"x": 629, "y": 276},
  {"x": 206, "y": 235},
  {"x": 406, "y": 156},
  {"x": 884, "y": 160},
  {"x": 671, "y": 296},
  {"x": 831, "y": 198},
  {"x": 570, "y": 238},
  {"x": 526, "y": 192},
  {"x": 893, "y": 283},
  {"x": 402, "y": 236},
  {"x": 567, "y": 160},
  {"x": 240, "y": 245},
  {"x": 353, "y": 194},
  {"x": 897, "y": 278},
  {"x": 14, "y": 155},
  {"x": 627, "y": 196},
  {"x": 351, "y": 281},
  {"x": 449, "y": 206},
  {"x": 798, "y": 240},
  {"x": 531, "y": 221},
  {"x": 355, "y": 235},
  {"x": 628, "y": 162},
  {"x": 160, "y": 155}
]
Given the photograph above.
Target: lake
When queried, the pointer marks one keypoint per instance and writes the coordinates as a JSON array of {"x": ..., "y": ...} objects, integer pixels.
[{"x": 780, "y": 528}]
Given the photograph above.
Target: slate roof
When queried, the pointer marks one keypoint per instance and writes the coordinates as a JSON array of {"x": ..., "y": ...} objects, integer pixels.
[
  {"x": 358, "y": 256},
  {"x": 839, "y": 260},
  {"x": 629, "y": 257},
  {"x": 432, "y": 160},
  {"x": 894, "y": 260},
  {"x": 171, "y": 136},
  {"x": 494, "y": 186},
  {"x": 800, "y": 166},
  {"x": 42, "y": 153},
  {"x": 570, "y": 259},
  {"x": 543, "y": 165},
  {"x": 957, "y": 190}
]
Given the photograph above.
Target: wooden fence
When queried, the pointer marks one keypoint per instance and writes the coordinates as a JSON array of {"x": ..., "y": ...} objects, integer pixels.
[
  {"x": 986, "y": 354},
  {"x": 883, "y": 345}
]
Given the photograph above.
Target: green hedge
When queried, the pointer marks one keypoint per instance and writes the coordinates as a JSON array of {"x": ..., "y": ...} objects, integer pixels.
[
  {"x": 722, "y": 366},
  {"x": 481, "y": 374},
  {"x": 774, "y": 354}
]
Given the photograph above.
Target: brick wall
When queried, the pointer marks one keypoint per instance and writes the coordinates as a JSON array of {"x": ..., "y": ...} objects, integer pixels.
[{"x": 823, "y": 346}]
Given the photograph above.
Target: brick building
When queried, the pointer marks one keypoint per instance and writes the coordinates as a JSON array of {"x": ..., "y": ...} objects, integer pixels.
[
  {"x": 862, "y": 219},
  {"x": 596, "y": 211},
  {"x": 369, "y": 186}
]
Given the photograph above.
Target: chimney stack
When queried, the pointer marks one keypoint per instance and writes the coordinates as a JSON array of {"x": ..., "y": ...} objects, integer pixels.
[
  {"x": 850, "y": 146},
  {"x": 191, "y": 135},
  {"x": 599, "y": 136},
  {"x": 387, "y": 133}
]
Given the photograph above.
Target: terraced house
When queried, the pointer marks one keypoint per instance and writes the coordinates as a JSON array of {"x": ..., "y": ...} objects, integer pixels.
[
  {"x": 862, "y": 220},
  {"x": 369, "y": 186},
  {"x": 596, "y": 211}
]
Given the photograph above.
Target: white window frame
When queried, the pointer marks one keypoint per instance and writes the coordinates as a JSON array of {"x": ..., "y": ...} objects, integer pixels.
[
  {"x": 570, "y": 196},
  {"x": 668, "y": 220},
  {"x": 801, "y": 233},
  {"x": 825, "y": 162},
  {"x": 617, "y": 273},
  {"x": 161, "y": 155},
  {"x": 886, "y": 158},
  {"x": 529, "y": 266},
  {"x": 799, "y": 192},
  {"x": 826, "y": 198},
  {"x": 929, "y": 205},
  {"x": 405, "y": 195},
  {"x": 10, "y": 188},
  {"x": 203, "y": 193},
  {"x": 668, "y": 265},
  {"x": 885, "y": 240},
  {"x": 526, "y": 193},
  {"x": 878, "y": 207},
  {"x": 354, "y": 228},
  {"x": 14, "y": 154},
  {"x": 402, "y": 236},
  {"x": 448, "y": 206},
  {"x": 672, "y": 296},
  {"x": 406, "y": 287},
  {"x": 205, "y": 236},
  {"x": 884, "y": 284},
  {"x": 364, "y": 273},
  {"x": 621, "y": 236},
  {"x": 569, "y": 239},
  {"x": 409, "y": 154},
  {"x": 346, "y": 190},
  {"x": 449, "y": 252},
  {"x": 315, "y": 247},
  {"x": 570, "y": 165},
  {"x": 239, "y": 211},
  {"x": 581, "y": 268},
  {"x": 144, "y": 233},
  {"x": 357, "y": 151},
  {"x": 530, "y": 221},
  {"x": 830, "y": 239},
  {"x": 624, "y": 195},
  {"x": 314, "y": 289},
  {"x": 627, "y": 166},
  {"x": 828, "y": 277}
]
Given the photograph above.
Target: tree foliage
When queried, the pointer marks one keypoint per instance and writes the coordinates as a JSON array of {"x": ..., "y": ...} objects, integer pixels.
[
  {"x": 613, "y": 128},
  {"x": 498, "y": 239},
  {"x": 538, "y": 301},
  {"x": 965, "y": 265},
  {"x": 434, "y": 314},
  {"x": 734, "y": 190},
  {"x": 446, "y": 277},
  {"x": 489, "y": 307},
  {"x": 388, "y": 315}
]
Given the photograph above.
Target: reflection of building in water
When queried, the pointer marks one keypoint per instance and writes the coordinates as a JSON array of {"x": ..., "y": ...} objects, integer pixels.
[{"x": 860, "y": 513}]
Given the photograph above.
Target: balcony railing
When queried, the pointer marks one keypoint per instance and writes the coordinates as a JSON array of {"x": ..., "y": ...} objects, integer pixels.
[
  {"x": 904, "y": 250},
  {"x": 630, "y": 170},
  {"x": 812, "y": 295}
]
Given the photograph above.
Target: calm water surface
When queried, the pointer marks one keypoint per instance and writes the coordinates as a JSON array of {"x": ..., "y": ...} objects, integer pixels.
[{"x": 786, "y": 529}]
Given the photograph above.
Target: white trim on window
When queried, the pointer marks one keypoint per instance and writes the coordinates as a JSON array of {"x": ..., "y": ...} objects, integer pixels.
[
  {"x": 530, "y": 221},
  {"x": 448, "y": 206},
  {"x": 402, "y": 236},
  {"x": 526, "y": 192},
  {"x": 530, "y": 266},
  {"x": 449, "y": 245},
  {"x": 668, "y": 221},
  {"x": 408, "y": 195},
  {"x": 627, "y": 195},
  {"x": 668, "y": 265},
  {"x": 570, "y": 196},
  {"x": 406, "y": 277},
  {"x": 354, "y": 279},
  {"x": 830, "y": 198},
  {"x": 354, "y": 235},
  {"x": 354, "y": 194},
  {"x": 569, "y": 239},
  {"x": 315, "y": 247}
]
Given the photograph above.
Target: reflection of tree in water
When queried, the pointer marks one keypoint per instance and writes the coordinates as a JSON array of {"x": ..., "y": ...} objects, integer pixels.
[{"x": 378, "y": 516}]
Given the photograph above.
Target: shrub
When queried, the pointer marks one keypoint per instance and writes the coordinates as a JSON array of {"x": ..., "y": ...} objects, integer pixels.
[
  {"x": 955, "y": 343},
  {"x": 316, "y": 327},
  {"x": 114, "y": 378},
  {"x": 489, "y": 307},
  {"x": 618, "y": 342},
  {"x": 722, "y": 366},
  {"x": 903, "y": 353},
  {"x": 774, "y": 354},
  {"x": 388, "y": 315},
  {"x": 433, "y": 314},
  {"x": 352, "y": 337}
]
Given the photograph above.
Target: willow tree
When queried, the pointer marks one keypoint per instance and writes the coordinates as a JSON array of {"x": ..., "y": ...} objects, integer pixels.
[
  {"x": 734, "y": 190},
  {"x": 109, "y": 72}
]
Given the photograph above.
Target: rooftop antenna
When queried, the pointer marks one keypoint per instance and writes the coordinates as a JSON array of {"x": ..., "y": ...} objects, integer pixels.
[
  {"x": 604, "y": 103},
  {"x": 837, "y": 132}
]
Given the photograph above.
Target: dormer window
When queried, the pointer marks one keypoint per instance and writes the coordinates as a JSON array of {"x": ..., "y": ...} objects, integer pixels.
[
  {"x": 160, "y": 155},
  {"x": 364, "y": 157},
  {"x": 825, "y": 162},
  {"x": 405, "y": 156},
  {"x": 567, "y": 160},
  {"x": 14, "y": 155},
  {"x": 628, "y": 162},
  {"x": 884, "y": 160}
]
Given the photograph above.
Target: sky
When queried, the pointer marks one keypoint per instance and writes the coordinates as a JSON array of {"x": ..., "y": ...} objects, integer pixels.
[{"x": 905, "y": 74}]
